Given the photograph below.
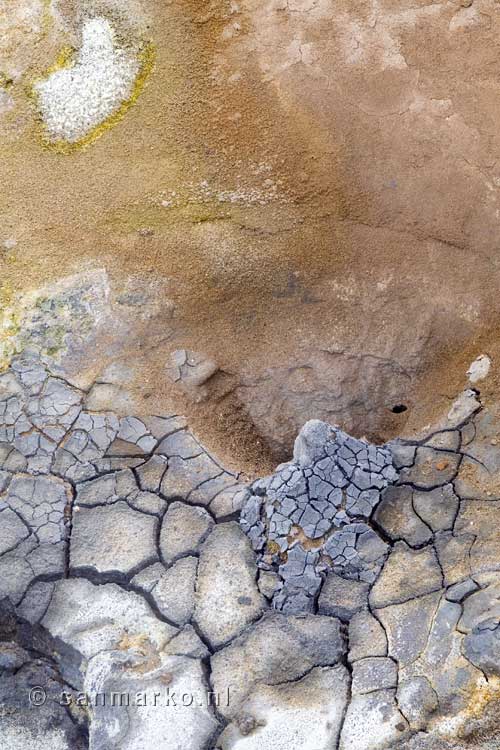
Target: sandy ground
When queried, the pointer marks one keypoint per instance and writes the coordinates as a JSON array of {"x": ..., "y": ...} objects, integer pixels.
[{"x": 260, "y": 199}]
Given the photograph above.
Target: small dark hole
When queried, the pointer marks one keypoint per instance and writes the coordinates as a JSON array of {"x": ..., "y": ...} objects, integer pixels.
[{"x": 399, "y": 408}]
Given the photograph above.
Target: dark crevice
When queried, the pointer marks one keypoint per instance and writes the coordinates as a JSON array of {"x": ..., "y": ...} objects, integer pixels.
[
  {"x": 347, "y": 664},
  {"x": 101, "y": 579},
  {"x": 68, "y": 518},
  {"x": 399, "y": 408},
  {"x": 40, "y": 646}
]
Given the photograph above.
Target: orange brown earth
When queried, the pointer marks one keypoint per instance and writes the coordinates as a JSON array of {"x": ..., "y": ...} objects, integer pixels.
[{"x": 307, "y": 189}]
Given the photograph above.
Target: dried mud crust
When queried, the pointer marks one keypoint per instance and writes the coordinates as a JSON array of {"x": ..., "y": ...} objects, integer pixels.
[{"x": 369, "y": 574}]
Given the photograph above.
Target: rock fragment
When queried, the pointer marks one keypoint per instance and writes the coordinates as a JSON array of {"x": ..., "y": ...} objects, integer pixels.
[
  {"x": 417, "y": 700},
  {"x": 227, "y": 597},
  {"x": 342, "y": 598},
  {"x": 482, "y": 647},
  {"x": 372, "y": 722},
  {"x": 306, "y": 714},
  {"x": 183, "y": 529},
  {"x": 463, "y": 408},
  {"x": 163, "y": 702},
  {"x": 373, "y": 673},
  {"x": 437, "y": 508},
  {"x": 172, "y": 589},
  {"x": 397, "y": 517},
  {"x": 479, "y": 369},
  {"x": 191, "y": 368},
  {"x": 408, "y": 625},
  {"x": 459, "y": 591},
  {"x": 276, "y": 649},
  {"x": 112, "y": 539},
  {"x": 406, "y": 575},
  {"x": 367, "y": 637}
]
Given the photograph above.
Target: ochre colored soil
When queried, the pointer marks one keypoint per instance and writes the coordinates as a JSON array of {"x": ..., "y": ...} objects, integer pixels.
[{"x": 255, "y": 282}]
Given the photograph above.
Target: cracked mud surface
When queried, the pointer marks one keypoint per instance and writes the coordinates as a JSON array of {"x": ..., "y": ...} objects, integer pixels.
[
  {"x": 324, "y": 498},
  {"x": 271, "y": 216},
  {"x": 354, "y": 604}
]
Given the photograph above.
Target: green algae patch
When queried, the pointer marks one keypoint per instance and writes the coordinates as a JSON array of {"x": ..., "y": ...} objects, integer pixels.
[
  {"x": 47, "y": 17},
  {"x": 136, "y": 218},
  {"x": 63, "y": 60},
  {"x": 10, "y": 326},
  {"x": 6, "y": 81},
  {"x": 52, "y": 320}
]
